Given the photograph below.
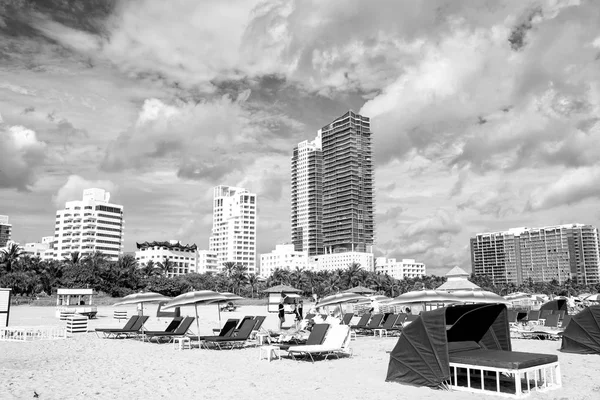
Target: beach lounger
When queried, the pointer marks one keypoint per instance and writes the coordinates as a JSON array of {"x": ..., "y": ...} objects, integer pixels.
[
  {"x": 388, "y": 325},
  {"x": 561, "y": 314},
  {"x": 317, "y": 336},
  {"x": 309, "y": 316},
  {"x": 362, "y": 322},
  {"x": 170, "y": 328},
  {"x": 336, "y": 343},
  {"x": 227, "y": 330},
  {"x": 347, "y": 318},
  {"x": 181, "y": 330},
  {"x": 106, "y": 331},
  {"x": 565, "y": 321},
  {"x": 237, "y": 339},
  {"x": 533, "y": 317},
  {"x": 478, "y": 370},
  {"x": 135, "y": 329}
]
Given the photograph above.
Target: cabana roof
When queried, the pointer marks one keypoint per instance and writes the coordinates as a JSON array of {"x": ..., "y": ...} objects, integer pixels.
[{"x": 76, "y": 292}]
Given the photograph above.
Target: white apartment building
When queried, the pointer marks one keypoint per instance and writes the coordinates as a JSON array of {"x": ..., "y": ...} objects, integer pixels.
[
  {"x": 5, "y": 231},
  {"x": 233, "y": 236},
  {"x": 407, "y": 268},
  {"x": 285, "y": 257},
  {"x": 331, "y": 262},
  {"x": 182, "y": 258},
  {"x": 207, "y": 262},
  {"x": 89, "y": 225},
  {"x": 40, "y": 249}
]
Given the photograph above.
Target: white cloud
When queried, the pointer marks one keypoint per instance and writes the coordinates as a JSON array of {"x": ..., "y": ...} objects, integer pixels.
[
  {"x": 74, "y": 187},
  {"x": 572, "y": 187},
  {"x": 21, "y": 155}
]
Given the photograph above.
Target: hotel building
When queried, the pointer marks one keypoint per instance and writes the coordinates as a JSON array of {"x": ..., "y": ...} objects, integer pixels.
[
  {"x": 207, "y": 262},
  {"x": 43, "y": 250},
  {"x": 559, "y": 252},
  {"x": 89, "y": 225},
  {"x": 406, "y": 268},
  {"x": 181, "y": 258},
  {"x": 307, "y": 197},
  {"x": 334, "y": 261},
  {"x": 233, "y": 236},
  {"x": 285, "y": 256},
  {"x": 5, "y": 230}
]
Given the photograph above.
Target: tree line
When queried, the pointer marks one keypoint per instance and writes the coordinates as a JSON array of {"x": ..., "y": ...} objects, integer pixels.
[{"x": 29, "y": 276}]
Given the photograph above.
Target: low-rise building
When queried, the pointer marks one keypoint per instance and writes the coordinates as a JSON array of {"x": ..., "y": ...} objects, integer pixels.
[
  {"x": 5, "y": 231},
  {"x": 207, "y": 262},
  {"x": 42, "y": 249},
  {"x": 284, "y": 256},
  {"x": 181, "y": 258},
  {"x": 407, "y": 268},
  {"x": 334, "y": 261}
]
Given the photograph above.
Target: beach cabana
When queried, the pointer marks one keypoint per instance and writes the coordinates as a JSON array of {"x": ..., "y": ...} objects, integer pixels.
[
  {"x": 444, "y": 346},
  {"x": 278, "y": 293},
  {"x": 77, "y": 301},
  {"x": 582, "y": 334},
  {"x": 556, "y": 305},
  {"x": 4, "y": 306},
  {"x": 457, "y": 279}
]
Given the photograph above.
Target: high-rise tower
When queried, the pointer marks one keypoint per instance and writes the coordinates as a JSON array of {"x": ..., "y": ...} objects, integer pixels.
[
  {"x": 5, "y": 230},
  {"x": 233, "y": 236},
  {"x": 307, "y": 197},
  {"x": 89, "y": 225},
  {"x": 348, "y": 210}
]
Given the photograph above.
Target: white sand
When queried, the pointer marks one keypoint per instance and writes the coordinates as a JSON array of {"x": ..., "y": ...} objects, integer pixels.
[{"x": 88, "y": 367}]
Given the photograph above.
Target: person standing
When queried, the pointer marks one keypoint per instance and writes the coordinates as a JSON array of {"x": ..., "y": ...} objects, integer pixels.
[
  {"x": 300, "y": 310},
  {"x": 281, "y": 313}
]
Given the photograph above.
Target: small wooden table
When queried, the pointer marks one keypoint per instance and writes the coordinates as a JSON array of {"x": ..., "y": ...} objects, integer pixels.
[{"x": 269, "y": 352}]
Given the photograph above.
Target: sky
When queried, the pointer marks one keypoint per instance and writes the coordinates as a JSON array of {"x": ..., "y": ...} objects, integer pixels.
[{"x": 485, "y": 113}]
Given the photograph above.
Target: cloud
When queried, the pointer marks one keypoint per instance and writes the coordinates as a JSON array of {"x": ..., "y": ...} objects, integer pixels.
[
  {"x": 498, "y": 202},
  {"x": 74, "y": 187},
  {"x": 573, "y": 187},
  {"x": 21, "y": 156}
]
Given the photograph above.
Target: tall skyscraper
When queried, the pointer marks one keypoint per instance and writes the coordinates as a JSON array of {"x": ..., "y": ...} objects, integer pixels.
[
  {"x": 233, "y": 236},
  {"x": 307, "y": 197},
  {"x": 348, "y": 212},
  {"x": 558, "y": 252},
  {"x": 332, "y": 189},
  {"x": 89, "y": 225},
  {"x": 5, "y": 230}
]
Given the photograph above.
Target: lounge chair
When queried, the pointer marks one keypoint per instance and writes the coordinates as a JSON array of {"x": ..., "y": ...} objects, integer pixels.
[
  {"x": 389, "y": 324},
  {"x": 106, "y": 331},
  {"x": 181, "y": 330},
  {"x": 533, "y": 317},
  {"x": 337, "y": 342},
  {"x": 170, "y": 328},
  {"x": 238, "y": 338},
  {"x": 309, "y": 316},
  {"x": 347, "y": 318},
  {"x": 317, "y": 335},
  {"x": 362, "y": 322},
  {"x": 561, "y": 313},
  {"x": 512, "y": 317},
  {"x": 227, "y": 330},
  {"x": 565, "y": 321},
  {"x": 545, "y": 313},
  {"x": 124, "y": 333}
]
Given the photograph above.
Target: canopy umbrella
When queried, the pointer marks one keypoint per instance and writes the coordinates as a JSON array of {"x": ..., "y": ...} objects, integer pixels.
[
  {"x": 282, "y": 289},
  {"x": 359, "y": 290},
  {"x": 377, "y": 298},
  {"x": 141, "y": 298},
  {"x": 517, "y": 296},
  {"x": 594, "y": 297},
  {"x": 481, "y": 297},
  {"x": 424, "y": 297},
  {"x": 228, "y": 297},
  {"x": 340, "y": 298},
  {"x": 200, "y": 296}
]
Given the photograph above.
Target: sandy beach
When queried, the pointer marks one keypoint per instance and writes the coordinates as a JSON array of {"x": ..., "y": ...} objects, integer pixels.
[{"x": 85, "y": 366}]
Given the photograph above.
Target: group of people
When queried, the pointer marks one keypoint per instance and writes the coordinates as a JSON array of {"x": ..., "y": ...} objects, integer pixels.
[{"x": 297, "y": 310}]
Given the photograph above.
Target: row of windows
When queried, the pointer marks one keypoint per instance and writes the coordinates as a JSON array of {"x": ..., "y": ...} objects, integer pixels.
[
  {"x": 110, "y": 216},
  {"x": 109, "y": 236},
  {"x": 109, "y": 209}
]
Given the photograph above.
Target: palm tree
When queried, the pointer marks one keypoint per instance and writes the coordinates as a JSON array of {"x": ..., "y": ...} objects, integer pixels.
[
  {"x": 165, "y": 266},
  {"x": 74, "y": 259},
  {"x": 253, "y": 282},
  {"x": 352, "y": 274},
  {"x": 297, "y": 278},
  {"x": 9, "y": 257},
  {"x": 149, "y": 269}
]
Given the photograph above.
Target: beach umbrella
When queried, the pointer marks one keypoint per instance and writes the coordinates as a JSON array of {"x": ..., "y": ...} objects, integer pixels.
[
  {"x": 517, "y": 296},
  {"x": 141, "y": 298},
  {"x": 593, "y": 297},
  {"x": 228, "y": 297},
  {"x": 359, "y": 290},
  {"x": 282, "y": 289},
  {"x": 424, "y": 296},
  {"x": 195, "y": 298},
  {"x": 339, "y": 298},
  {"x": 483, "y": 296}
]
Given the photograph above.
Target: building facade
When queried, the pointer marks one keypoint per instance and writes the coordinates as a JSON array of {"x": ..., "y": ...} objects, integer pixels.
[
  {"x": 334, "y": 261},
  {"x": 406, "y": 268},
  {"x": 233, "y": 236},
  {"x": 41, "y": 249},
  {"x": 92, "y": 224},
  {"x": 207, "y": 262},
  {"x": 5, "y": 230},
  {"x": 307, "y": 197},
  {"x": 559, "y": 252},
  {"x": 348, "y": 208},
  {"x": 181, "y": 259},
  {"x": 285, "y": 256}
]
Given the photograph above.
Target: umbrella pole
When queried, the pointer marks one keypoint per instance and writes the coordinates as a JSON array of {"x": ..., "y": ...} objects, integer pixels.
[
  {"x": 197, "y": 324},
  {"x": 219, "y": 308}
]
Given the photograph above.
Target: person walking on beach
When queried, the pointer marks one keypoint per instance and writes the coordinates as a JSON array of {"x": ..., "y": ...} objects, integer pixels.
[
  {"x": 281, "y": 312},
  {"x": 300, "y": 310}
]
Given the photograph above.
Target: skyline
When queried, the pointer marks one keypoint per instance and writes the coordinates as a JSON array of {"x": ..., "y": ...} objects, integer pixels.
[{"x": 484, "y": 116}]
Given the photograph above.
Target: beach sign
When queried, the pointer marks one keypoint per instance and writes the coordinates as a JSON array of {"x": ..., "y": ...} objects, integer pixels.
[{"x": 4, "y": 306}]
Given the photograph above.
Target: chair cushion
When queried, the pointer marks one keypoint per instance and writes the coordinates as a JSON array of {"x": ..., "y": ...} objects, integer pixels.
[
  {"x": 501, "y": 358},
  {"x": 454, "y": 347}
]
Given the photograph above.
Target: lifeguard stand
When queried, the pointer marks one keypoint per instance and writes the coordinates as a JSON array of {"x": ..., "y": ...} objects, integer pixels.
[{"x": 75, "y": 301}]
